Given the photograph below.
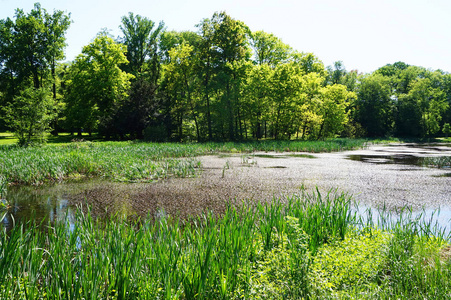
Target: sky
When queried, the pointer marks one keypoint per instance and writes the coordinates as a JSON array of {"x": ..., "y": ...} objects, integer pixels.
[{"x": 364, "y": 34}]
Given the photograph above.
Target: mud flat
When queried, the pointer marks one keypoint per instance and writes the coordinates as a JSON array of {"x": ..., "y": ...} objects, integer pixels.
[{"x": 392, "y": 175}]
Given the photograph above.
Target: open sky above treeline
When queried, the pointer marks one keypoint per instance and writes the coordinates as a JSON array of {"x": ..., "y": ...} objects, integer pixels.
[{"x": 365, "y": 35}]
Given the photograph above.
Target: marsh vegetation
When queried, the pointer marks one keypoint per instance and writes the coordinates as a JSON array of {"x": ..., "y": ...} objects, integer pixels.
[{"x": 306, "y": 244}]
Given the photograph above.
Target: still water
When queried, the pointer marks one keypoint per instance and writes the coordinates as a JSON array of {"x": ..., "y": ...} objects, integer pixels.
[{"x": 56, "y": 202}]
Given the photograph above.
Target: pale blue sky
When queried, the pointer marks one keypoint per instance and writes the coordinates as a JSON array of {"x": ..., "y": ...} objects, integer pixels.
[{"x": 365, "y": 35}]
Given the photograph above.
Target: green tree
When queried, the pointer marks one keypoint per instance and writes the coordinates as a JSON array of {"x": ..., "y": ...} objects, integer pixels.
[
  {"x": 97, "y": 84},
  {"x": 422, "y": 109},
  {"x": 336, "y": 74},
  {"x": 223, "y": 48},
  {"x": 308, "y": 63},
  {"x": 269, "y": 49},
  {"x": 375, "y": 107},
  {"x": 231, "y": 41},
  {"x": 308, "y": 116},
  {"x": 335, "y": 101},
  {"x": 257, "y": 97},
  {"x": 286, "y": 83},
  {"x": 141, "y": 38},
  {"x": 32, "y": 43},
  {"x": 446, "y": 129},
  {"x": 30, "y": 114},
  {"x": 30, "y": 47},
  {"x": 206, "y": 68},
  {"x": 172, "y": 39},
  {"x": 181, "y": 76},
  {"x": 56, "y": 26}
]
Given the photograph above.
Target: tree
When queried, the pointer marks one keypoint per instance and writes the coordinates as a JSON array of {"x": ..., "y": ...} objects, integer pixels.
[
  {"x": 172, "y": 39},
  {"x": 336, "y": 74},
  {"x": 269, "y": 49},
  {"x": 375, "y": 107},
  {"x": 231, "y": 47},
  {"x": 308, "y": 120},
  {"x": 137, "y": 111},
  {"x": 257, "y": 95},
  {"x": 30, "y": 114},
  {"x": 31, "y": 44},
  {"x": 421, "y": 110},
  {"x": 446, "y": 129},
  {"x": 180, "y": 75},
  {"x": 308, "y": 63},
  {"x": 206, "y": 68},
  {"x": 30, "y": 47},
  {"x": 141, "y": 38},
  {"x": 97, "y": 85},
  {"x": 334, "y": 113},
  {"x": 286, "y": 88}
]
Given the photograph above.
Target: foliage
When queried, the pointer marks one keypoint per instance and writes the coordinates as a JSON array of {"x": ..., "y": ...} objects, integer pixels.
[
  {"x": 221, "y": 83},
  {"x": 132, "y": 161},
  {"x": 97, "y": 84},
  {"x": 374, "y": 106},
  {"x": 30, "y": 115},
  {"x": 222, "y": 257},
  {"x": 446, "y": 129},
  {"x": 30, "y": 45},
  {"x": 141, "y": 38},
  {"x": 269, "y": 49},
  {"x": 356, "y": 260}
]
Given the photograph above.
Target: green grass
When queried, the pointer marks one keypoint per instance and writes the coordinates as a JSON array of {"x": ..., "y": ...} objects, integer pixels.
[
  {"x": 7, "y": 138},
  {"x": 119, "y": 161},
  {"x": 254, "y": 251},
  {"x": 132, "y": 161}
]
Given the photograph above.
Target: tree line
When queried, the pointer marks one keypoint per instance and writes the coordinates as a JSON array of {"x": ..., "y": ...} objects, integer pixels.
[{"x": 220, "y": 82}]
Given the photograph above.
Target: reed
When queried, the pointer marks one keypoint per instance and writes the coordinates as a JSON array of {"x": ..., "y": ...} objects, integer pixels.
[
  {"x": 133, "y": 161},
  {"x": 304, "y": 246}
]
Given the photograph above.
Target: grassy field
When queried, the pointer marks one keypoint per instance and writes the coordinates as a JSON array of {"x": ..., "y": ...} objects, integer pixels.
[
  {"x": 133, "y": 161},
  {"x": 304, "y": 246},
  {"x": 7, "y": 138}
]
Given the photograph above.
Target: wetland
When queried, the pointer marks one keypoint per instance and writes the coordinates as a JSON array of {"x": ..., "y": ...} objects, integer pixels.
[
  {"x": 226, "y": 222},
  {"x": 391, "y": 176}
]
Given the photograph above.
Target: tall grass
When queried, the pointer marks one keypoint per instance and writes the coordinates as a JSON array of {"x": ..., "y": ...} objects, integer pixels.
[
  {"x": 438, "y": 162},
  {"x": 303, "y": 246},
  {"x": 128, "y": 161},
  {"x": 119, "y": 161}
]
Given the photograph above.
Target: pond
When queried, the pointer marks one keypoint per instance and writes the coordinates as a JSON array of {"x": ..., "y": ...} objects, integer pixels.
[{"x": 393, "y": 176}]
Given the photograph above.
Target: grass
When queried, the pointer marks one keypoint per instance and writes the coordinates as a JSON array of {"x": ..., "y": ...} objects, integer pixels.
[
  {"x": 132, "y": 161},
  {"x": 304, "y": 246},
  {"x": 7, "y": 138},
  {"x": 119, "y": 161}
]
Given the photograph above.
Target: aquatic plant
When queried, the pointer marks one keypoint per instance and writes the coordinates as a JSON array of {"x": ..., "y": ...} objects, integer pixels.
[
  {"x": 132, "y": 161},
  {"x": 252, "y": 251}
]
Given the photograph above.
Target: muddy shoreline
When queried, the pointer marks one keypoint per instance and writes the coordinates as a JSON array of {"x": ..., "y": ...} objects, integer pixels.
[
  {"x": 372, "y": 180},
  {"x": 379, "y": 175}
]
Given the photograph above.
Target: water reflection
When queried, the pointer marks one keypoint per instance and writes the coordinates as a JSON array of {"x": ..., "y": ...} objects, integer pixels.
[
  {"x": 404, "y": 159},
  {"x": 41, "y": 204},
  {"x": 435, "y": 221}
]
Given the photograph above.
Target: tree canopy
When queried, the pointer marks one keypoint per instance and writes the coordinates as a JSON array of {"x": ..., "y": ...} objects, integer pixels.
[{"x": 221, "y": 82}]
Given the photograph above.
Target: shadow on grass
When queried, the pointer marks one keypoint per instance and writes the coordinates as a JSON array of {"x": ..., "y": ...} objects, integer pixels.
[
  {"x": 63, "y": 138},
  {"x": 8, "y": 138}
]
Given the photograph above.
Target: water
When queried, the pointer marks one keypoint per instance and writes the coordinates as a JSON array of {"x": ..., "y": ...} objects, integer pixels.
[
  {"x": 404, "y": 159},
  {"x": 37, "y": 203},
  {"x": 53, "y": 203},
  {"x": 437, "y": 220}
]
